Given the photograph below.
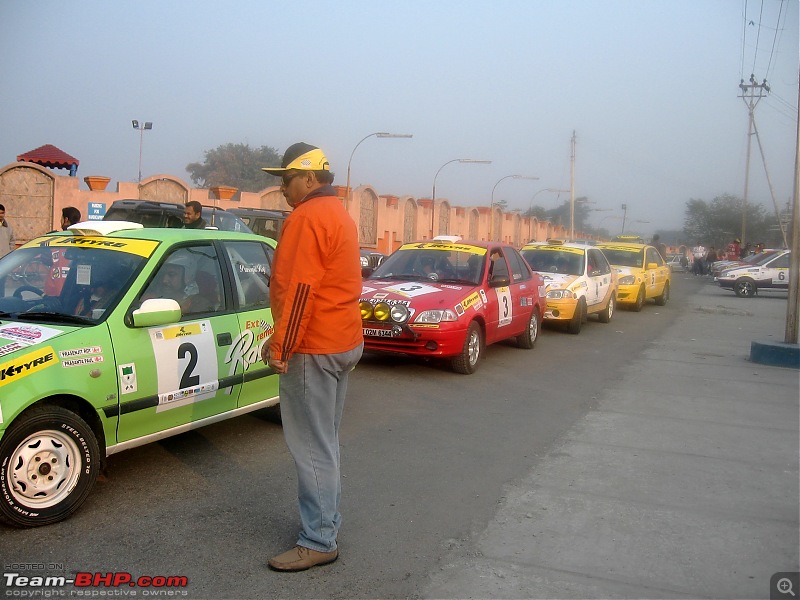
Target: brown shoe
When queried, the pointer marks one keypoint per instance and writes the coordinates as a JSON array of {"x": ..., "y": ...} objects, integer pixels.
[{"x": 301, "y": 558}]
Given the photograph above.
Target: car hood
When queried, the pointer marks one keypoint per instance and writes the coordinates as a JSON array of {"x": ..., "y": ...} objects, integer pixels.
[
  {"x": 420, "y": 295},
  {"x": 555, "y": 281}
]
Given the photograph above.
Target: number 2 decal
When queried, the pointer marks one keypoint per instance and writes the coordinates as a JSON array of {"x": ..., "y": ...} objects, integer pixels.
[
  {"x": 186, "y": 364},
  {"x": 188, "y": 379}
]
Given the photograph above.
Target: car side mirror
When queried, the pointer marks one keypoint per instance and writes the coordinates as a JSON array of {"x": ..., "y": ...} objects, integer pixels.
[
  {"x": 157, "y": 311},
  {"x": 366, "y": 272},
  {"x": 652, "y": 266},
  {"x": 499, "y": 281}
]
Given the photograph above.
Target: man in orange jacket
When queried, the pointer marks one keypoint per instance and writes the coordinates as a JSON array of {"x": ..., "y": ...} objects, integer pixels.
[{"x": 314, "y": 290}]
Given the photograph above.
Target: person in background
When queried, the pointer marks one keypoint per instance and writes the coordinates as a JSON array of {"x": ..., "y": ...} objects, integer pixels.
[
  {"x": 314, "y": 289},
  {"x": 69, "y": 216},
  {"x": 698, "y": 256},
  {"x": 7, "y": 241},
  {"x": 57, "y": 262},
  {"x": 192, "y": 216},
  {"x": 658, "y": 245},
  {"x": 710, "y": 259}
]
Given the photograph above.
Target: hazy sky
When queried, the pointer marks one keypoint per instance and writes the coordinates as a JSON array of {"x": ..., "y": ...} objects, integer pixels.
[{"x": 650, "y": 88}]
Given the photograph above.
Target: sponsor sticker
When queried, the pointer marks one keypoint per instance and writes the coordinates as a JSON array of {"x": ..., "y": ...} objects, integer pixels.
[
  {"x": 84, "y": 360},
  {"x": 24, "y": 365}
]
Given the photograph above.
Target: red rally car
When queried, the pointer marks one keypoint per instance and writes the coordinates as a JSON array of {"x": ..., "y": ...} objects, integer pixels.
[{"x": 448, "y": 298}]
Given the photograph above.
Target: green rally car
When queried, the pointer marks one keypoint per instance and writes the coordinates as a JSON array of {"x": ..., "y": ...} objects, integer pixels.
[{"x": 113, "y": 336}]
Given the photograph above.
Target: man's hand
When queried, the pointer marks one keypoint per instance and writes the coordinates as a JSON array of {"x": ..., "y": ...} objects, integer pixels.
[{"x": 278, "y": 366}]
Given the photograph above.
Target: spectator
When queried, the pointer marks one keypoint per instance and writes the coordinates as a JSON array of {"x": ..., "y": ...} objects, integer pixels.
[
  {"x": 192, "y": 216},
  {"x": 69, "y": 216},
  {"x": 7, "y": 242},
  {"x": 658, "y": 245},
  {"x": 698, "y": 255}
]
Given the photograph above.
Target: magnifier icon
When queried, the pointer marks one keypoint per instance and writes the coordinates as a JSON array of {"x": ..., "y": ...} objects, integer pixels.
[{"x": 784, "y": 586}]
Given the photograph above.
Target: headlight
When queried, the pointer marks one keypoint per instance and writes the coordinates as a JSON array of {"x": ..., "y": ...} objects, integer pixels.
[
  {"x": 558, "y": 294},
  {"x": 627, "y": 280},
  {"x": 399, "y": 313},
  {"x": 381, "y": 311},
  {"x": 436, "y": 316},
  {"x": 366, "y": 310}
]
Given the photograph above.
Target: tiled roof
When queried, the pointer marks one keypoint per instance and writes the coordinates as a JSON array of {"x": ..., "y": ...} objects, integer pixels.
[{"x": 49, "y": 156}]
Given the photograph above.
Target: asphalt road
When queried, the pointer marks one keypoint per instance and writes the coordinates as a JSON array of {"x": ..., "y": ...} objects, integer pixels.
[{"x": 426, "y": 455}]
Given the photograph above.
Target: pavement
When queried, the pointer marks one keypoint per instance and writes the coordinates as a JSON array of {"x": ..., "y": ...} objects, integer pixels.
[{"x": 688, "y": 491}]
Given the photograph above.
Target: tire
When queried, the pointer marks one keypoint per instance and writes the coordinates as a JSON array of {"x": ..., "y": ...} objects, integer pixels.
[
  {"x": 745, "y": 287},
  {"x": 606, "y": 314},
  {"x": 528, "y": 338},
  {"x": 637, "y": 307},
  {"x": 466, "y": 363},
  {"x": 664, "y": 297},
  {"x": 576, "y": 322},
  {"x": 68, "y": 458}
]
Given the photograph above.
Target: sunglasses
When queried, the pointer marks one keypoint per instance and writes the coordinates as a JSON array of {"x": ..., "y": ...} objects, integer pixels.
[{"x": 287, "y": 179}]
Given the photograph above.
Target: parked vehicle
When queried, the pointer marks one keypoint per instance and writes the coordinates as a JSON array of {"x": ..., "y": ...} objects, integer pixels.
[
  {"x": 170, "y": 214},
  {"x": 642, "y": 273},
  {"x": 445, "y": 299},
  {"x": 262, "y": 221},
  {"x": 154, "y": 332},
  {"x": 770, "y": 273},
  {"x": 578, "y": 280}
]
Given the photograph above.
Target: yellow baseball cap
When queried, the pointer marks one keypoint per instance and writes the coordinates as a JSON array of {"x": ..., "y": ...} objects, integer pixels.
[{"x": 301, "y": 157}]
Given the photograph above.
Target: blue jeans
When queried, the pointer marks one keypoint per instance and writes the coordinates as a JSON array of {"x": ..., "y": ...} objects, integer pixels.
[{"x": 312, "y": 399}]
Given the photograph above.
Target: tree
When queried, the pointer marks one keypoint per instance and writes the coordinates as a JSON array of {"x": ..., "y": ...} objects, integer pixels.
[
  {"x": 718, "y": 222},
  {"x": 236, "y": 165}
]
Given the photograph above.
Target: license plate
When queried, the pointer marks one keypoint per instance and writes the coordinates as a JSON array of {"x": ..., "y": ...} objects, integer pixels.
[{"x": 378, "y": 332}]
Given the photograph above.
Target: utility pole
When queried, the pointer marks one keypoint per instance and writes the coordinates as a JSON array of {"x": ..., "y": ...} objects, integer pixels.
[
  {"x": 751, "y": 93},
  {"x": 572, "y": 189}
]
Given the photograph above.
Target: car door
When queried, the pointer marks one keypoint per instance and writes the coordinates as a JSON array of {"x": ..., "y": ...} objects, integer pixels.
[
  {"x": 599, "y": 279},
  {"x": 499, "y": 303},
  {"x": 250, "y": 265},
  {"x": 524, "y": 291},
  {"x": 655, "y": 278},
  {"x": 778, "y": 271},
  {"x": 174, "y": 374}
]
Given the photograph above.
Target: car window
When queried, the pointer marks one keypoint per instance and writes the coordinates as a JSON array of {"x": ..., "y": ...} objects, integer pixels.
[
  {"x": 519, "y": 268},
  {"x": 597, "y": 263},
  {"x": 252, "y": 268},
  {"x": 497, "y": 264},
  {"x": 191, "y": 276},
  {"x": 653, "y": 256},
  {"x": 782, "y": 262},
  {"x": 624, "y": 258}
]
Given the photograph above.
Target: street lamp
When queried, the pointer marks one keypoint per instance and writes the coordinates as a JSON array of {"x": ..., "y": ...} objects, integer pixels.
[
  {"x": 147, "y": 125},
  {"x": 491, "y": 204},
  {"x": 458, "y": 160},
  {"x": 378, "y": 134}
]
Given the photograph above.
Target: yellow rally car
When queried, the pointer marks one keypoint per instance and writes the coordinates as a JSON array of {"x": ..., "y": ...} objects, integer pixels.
[
  {"x": 578, "y": 279},
  {"x": 642, "y": 273}
]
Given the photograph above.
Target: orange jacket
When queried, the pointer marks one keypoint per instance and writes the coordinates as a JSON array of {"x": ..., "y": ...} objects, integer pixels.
[{"x": 316, "y": 280}]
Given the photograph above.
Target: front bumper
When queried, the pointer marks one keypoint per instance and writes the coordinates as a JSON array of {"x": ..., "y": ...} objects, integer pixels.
[
  {"x": 444, "y": 339},
  {"x": 560, "y": 310}
]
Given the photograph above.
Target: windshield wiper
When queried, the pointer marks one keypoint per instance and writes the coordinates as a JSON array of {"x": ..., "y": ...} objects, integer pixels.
[{"x": 54, "y": 317}]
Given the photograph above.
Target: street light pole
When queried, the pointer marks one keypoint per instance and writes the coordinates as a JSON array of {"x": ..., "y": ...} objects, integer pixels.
[
  {"x": 433, "y": 192},
  {"x": 378, "y": 134},
  {"x": 491, "y": 204},
  {"x": 624, "y": 214},
  {"x": 530, "y": 207},
  {"x": 146, "y": 126}
]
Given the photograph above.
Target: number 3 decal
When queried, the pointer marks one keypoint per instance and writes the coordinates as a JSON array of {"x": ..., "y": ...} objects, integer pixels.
[{"x": 505, "y": 307}]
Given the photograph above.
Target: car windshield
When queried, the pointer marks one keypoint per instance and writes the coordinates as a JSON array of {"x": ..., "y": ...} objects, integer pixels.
[
  {"x": 547, "y": 260},
  {"x": 763, "y": 257},
  {"x": 64, "y": 284},
  {"x": 624, "y": 258},
  {"x": 448, "y": 265}
]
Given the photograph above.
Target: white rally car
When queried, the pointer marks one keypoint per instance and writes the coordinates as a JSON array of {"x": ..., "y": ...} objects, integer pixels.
[{"x": 772, "y": 273}]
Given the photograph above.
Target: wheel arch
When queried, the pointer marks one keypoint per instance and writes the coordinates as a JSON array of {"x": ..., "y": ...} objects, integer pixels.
[{"x": 75, "y": 404}]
